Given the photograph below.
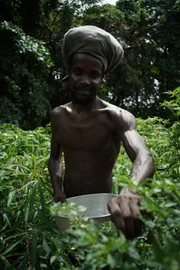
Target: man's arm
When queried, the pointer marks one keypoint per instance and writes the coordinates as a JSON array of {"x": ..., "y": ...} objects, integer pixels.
[
  {"x": 143, "y": 164},
  {"x": 55, "y": 165},
  {"x": 124, "y": 209}
]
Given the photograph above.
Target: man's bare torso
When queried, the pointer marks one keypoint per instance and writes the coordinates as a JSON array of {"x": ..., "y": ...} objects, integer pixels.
[{"x": 90, "y": 144}]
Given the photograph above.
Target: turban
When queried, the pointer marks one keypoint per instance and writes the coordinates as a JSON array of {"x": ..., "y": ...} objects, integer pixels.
[{"x": 93, "y": 41}]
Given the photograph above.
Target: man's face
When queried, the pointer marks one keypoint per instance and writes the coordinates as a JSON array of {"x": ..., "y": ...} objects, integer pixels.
[{"x": 85, "y": 76}]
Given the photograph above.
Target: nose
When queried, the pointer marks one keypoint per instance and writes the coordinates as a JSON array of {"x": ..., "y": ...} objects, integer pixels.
[{"x": 85, "y": 80}]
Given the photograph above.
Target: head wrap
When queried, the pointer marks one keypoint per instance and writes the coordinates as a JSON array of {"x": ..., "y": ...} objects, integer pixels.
[{"x": 94, "y": 41}]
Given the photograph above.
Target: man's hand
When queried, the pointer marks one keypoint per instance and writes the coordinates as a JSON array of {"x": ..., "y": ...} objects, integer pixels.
[
  {"x": 125, "y": 212},
  {"x": 59, "y": 196}
]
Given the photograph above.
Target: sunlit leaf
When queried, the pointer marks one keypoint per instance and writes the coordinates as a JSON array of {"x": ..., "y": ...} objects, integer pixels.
[
  {"x": 46, "y": 246},
  {"x": 11, "y": 197}
]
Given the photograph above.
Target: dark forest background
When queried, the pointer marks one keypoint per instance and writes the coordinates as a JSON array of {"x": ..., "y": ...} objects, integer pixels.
[{"x": 31, "y": 65}]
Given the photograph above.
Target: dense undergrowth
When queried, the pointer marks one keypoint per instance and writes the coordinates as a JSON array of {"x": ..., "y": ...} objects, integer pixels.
[{"x": 29, "y": 238}]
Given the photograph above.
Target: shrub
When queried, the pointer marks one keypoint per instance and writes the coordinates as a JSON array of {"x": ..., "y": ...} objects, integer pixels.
[{"x": 29, "y": 235}]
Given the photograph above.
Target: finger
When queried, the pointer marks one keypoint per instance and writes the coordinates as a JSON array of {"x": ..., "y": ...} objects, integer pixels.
[
  {"x": 116, "y": 215},
  {"x": 128, "y": 219},
  {"x": 122, "y": 203},
  {"x": 137, "y": 222},
  {"x": 56, "y": 200},
  {"x": 60, "y": 199},
  {"x": 133, "y": 205}
]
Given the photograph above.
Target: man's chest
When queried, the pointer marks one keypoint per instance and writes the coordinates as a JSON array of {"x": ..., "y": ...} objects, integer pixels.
[{"x": 91, "y": 133}]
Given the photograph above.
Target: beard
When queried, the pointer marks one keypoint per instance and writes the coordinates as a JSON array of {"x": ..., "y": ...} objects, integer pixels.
[{"x": 86, "y": 101}]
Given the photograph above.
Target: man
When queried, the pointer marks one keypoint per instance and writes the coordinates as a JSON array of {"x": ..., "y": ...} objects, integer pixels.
[{"x": 89, "y": 131}]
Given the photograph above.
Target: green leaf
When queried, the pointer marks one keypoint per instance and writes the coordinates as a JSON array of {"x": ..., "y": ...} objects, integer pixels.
[
  {"x": 11, "y": 197},
  {"x": 11, "y": 247},
  {"x": 41, "y": 196},
  {"x": 26, "y": 216},
  {"x": 32, "y": 199},
  {"x": 5, "y": 261},
  {"x": 23, "y": 263},
  {"x": 111, "y": 260},
  {"x": 5, "y": 216},
  {"x": 53, "y": 259},
  {"x": 34, "y": 251},
  {"x": 16, "y": 235},
  {"x": 46, "y": 246},
  {"x": 34, "y": 161}
]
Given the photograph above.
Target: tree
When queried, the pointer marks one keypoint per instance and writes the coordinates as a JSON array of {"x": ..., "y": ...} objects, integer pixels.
[
  {"x": 31, "y": 87},
  {"x": 24, "y": 67},
  {"x": 156, "y": 53}
]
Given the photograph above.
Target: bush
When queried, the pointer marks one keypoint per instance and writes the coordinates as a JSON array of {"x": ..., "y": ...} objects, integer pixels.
[{"x": 29, "y": 235}]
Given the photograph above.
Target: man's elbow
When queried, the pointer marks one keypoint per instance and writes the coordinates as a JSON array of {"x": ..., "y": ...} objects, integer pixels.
[
  {"x": 151, "y": 164},
  {"x": 51, "y": 160},
  {"x": 54, "y": 160}
]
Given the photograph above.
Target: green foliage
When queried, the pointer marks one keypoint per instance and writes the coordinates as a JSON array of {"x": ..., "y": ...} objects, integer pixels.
[
  {"x": 152, "y": 54},
  {"x": 174, "y": 103},
  {"x": 68, "y": 209},
  {"x": 26, "y": 44},
  {"x": 31, "y": 85},
  {"x": 29, "y": 235},
  {"x": 24, "y": 70}
]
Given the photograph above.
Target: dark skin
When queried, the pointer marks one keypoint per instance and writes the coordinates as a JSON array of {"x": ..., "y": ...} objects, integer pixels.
[{"x": 90, "y": 131}]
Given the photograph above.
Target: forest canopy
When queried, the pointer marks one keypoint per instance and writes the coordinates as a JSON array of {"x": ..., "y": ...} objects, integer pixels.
[{"x": 31, "y": 65}]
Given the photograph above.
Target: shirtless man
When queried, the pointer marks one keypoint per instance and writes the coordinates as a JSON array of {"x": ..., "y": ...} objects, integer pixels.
[{"x": 89, "y": 131}]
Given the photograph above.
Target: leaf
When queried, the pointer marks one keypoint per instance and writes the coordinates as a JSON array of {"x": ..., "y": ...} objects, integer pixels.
[
  {"x": 5, "y": 261},
  {"x": 23, "y": 263},
  {"x": 26, "y": 214},
  {"x": 13, "y": 245},
  {"x": 11, "y": 197},
  {"x": 34, "y": 161},
  {"x": 46, "y": 246},
  {"x": 5, "y": 216},
  {"x": 34, "y": 251},
  {"x": 41, "y": 196},
  {"x": 111, "y": 260},
  {"x": 170, "y": 204},
  {"x": 32, "y": 199},
  {"x": 53, "y": 259},
  {"x": 15, "y": 235}
]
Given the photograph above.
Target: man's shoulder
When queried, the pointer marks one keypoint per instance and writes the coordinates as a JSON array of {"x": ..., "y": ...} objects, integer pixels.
[
  {"x": 61, "y": 109},
  {"x": 118, "y": 111},
  {"x": 120, "y": 116}
]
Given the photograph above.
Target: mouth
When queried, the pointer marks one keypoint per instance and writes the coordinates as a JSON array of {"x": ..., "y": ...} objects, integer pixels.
[
  {"x": 82, "y": 96},
  {"x": 84, "y": 92}
]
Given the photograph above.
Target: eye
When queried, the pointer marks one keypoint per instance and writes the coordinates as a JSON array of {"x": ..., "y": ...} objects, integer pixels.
[
  {"x": 95, "y": 75},
  {"x": 77, "y": 71}
]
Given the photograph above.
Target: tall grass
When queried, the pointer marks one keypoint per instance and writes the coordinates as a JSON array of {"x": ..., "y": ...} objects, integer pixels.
[{"x": 29, "y": 238}]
